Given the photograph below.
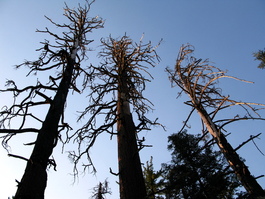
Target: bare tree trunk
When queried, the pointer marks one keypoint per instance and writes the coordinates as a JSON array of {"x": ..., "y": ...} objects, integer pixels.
[
  {"x": 239, "y": 167},
  {"x": 131, "y": 178},
  {"x": 198, "y": 79},
  {"x": 33, "y": 183},
  {"x": 68, "y": 52},
  {"x": 119, "y": 75}
]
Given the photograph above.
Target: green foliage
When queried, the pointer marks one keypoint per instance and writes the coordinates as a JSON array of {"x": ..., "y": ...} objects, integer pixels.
[
  {"x": 260, "y": 55},
  {"x": 195, "y": 171},
  {"x": 154, "y": 181}
]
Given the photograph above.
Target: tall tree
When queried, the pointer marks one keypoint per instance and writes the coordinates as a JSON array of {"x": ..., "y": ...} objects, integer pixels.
[
  {"x": 64, "y": 56},
  {"x": 196, "y": 169},
  {"x": 198, "y": 79},
  {"x": 193, "y": 172},
  {"x": 120, "y": 75}
]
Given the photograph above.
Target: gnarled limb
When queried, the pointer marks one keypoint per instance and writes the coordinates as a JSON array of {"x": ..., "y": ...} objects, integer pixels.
[{"x": 198, "y": 79}]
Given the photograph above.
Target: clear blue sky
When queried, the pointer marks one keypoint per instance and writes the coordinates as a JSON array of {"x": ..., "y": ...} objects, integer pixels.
[{"x": 227, "y": 32}]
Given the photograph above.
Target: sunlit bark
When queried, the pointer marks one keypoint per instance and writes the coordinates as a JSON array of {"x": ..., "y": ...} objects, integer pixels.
[{"x": 198, "y": 80}]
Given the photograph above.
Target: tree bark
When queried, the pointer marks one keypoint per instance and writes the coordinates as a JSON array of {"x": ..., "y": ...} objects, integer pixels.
[
  {"x": 131, "y": 178},
  {"x": 33, "y": 183},
  {"x": 188, "y": 79},
  {"x": 239, "y": 167}
]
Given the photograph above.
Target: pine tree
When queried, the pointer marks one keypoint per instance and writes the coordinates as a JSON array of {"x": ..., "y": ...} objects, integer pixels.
[{"x": 196, "y": 171}]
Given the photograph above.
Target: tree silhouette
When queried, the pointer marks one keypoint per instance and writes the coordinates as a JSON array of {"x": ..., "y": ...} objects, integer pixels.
[
  {"x": 64, "y": 57},
  {"x": 118, "y": 84},
  {"x": 100, "y": 190},
  {"x": 198, "y": 79},
  {"x": 154, "y": 181},
  {"x": 193, "y": 172},
  {"x": 196, "y": 169}
]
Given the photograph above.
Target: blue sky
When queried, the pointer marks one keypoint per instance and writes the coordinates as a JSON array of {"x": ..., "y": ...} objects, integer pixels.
[{"x": 227, "y": 32}]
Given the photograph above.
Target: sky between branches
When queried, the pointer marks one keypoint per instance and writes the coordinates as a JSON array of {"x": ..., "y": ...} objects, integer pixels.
[{"x": 226, "y": 32}]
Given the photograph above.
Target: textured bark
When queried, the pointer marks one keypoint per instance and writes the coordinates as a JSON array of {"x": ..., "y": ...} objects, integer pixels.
[
  {"x": 239, "y": 167},
  {"x": 131, "y": 178},
  {"x": 198, "y": 79},
  {"x": 33, "y": 183}
]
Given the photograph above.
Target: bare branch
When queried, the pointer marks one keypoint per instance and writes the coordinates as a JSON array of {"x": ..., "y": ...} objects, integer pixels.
[
  {"x": 257, "y": 146},
  {"x": 199, "y": 80},
  {"x": 16, "y": 131},
  {"x": 119, "y": 56},
  {"x": 248, "y": 140},
  {"x": 110, "y": 170},
  {"x": 17, "y": 156}
]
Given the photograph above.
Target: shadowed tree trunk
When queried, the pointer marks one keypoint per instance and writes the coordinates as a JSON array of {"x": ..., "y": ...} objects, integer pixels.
[
  {"x": 66, "y": 56},
  {"x": 119, "y": 75},
  {"x": 33, "y": 183},
  {"x": 131, "y": 179}
]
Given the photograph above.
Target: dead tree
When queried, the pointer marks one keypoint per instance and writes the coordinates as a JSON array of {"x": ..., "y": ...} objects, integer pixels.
[
  {"x": 118, "y": 86},
  {"x": 198, "y": 79},
  {"x": 101, "y": 190},
  {"x": 64, "y": 57}
]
